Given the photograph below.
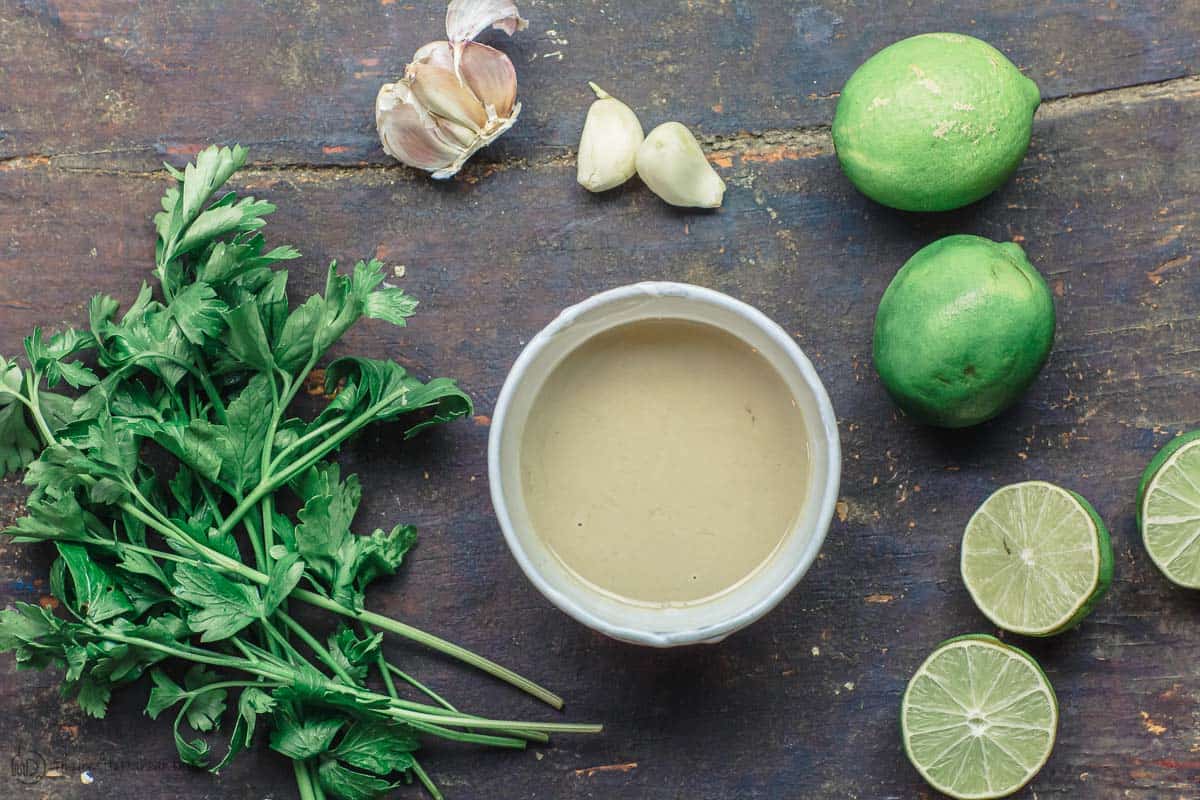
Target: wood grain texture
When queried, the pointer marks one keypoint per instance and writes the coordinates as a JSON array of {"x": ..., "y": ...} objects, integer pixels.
[
  {"x": 114, "y": 81},
  {"x": 804, "y": 704}
]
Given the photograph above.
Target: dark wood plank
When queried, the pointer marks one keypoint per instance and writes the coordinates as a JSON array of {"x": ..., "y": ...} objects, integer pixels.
[
  {"x": 803, "y": 704},
  {"x": 110, "y": 82}
]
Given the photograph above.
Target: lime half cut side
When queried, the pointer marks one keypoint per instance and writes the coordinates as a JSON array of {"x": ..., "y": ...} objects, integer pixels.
[
  {"x": 1169, "y": 510},
  {"x": 1036, "y": 558},
  {"x": 978, "y": 718}
]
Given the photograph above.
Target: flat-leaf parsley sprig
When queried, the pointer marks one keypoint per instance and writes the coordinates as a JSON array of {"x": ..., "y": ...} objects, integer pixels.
[{"x": 152, "y": 574}]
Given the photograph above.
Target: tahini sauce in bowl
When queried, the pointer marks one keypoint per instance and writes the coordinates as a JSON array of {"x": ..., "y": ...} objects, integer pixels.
[{"x": 664, "y": 463}]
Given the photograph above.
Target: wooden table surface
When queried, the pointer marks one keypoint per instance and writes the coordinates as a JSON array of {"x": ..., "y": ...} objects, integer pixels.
[{"x": 95, "y": 93}]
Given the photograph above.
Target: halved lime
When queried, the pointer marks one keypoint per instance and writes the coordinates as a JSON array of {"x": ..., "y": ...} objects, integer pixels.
[
  {"x": 1168, "y": 510},
  {"x": 979, "y": 718},
  {"x": 1036, "y": 558}
]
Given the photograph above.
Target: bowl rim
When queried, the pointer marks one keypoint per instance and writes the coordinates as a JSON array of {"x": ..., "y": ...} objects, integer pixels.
[{"x": 827, "y": 427}]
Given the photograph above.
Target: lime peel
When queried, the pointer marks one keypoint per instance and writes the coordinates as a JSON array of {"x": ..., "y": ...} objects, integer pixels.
[
  {"x": 934, "y": 122},
  {"x": 963, "y": 330}
]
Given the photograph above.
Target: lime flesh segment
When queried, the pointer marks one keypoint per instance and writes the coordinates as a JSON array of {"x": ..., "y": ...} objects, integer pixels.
[
  {"x": 1170, "y": 513},
  {"x": 1036, "y": 558},
  {"x": 978, "y": 718}
]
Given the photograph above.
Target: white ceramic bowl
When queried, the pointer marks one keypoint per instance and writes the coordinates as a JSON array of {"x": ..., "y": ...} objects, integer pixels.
[{"x": 714, "y": 619}]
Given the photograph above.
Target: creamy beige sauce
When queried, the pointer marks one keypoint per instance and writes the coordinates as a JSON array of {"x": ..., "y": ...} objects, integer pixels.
[{"x": 664, "y": 461}]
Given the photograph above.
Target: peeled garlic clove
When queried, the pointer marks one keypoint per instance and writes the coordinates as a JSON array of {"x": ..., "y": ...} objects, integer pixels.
[
  {"x": 608, "y": 148},
  {"x": 672, "y": 164},
  {"x": 466, "y": 19}
]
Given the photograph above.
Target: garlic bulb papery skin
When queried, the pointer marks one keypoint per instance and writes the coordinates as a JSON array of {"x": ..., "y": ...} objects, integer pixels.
[
  {"x": 672, "y": 164},
  {"x": 466, "y": 19},
  {"x": 608, "y": 147},
  {"x": 445, "y": 109}
]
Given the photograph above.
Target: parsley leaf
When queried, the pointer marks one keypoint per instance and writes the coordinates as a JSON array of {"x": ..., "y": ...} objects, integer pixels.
[
  {"x": 207, "y": 705},
  {"x": 194, "y": 753},
  {"x": 93, "y": 697},
  {"x": 98, "y": 594},
  {"x": 18, "y": 444},
  {"x": 347, "y": 784},
  {"x": 165, "y": 694},
  {"x": 378, "y": 748},
  {"x": 48, "y": 357},
  {"x": 300, "y": 739},
  {"x": 222, "y": 607},
  {"x": 285, "y": 575},
  {"x": 352, "y": 654},
  {"x": 248, "y": 337},
  {"x": 251, "y": 704},
  {"x": 389, "y": 391},
  {"x": 198, "y": 312}
]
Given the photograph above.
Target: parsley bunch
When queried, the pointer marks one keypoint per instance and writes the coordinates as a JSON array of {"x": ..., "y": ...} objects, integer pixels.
[{"x": 162, "y": 471}]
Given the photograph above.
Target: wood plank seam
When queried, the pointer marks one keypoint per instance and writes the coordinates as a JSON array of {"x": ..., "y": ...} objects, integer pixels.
[{"x": 809, "y": 141}]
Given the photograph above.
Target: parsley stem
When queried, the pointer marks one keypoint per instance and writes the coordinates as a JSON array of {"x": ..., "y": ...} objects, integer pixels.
[
  {"x": 149, "y": 551},
  {"x": 268, "y": 502},
  {"x": 256, "y": 544},
  {"x": 386, "y": 668},
  {"x": 206, "y": 490},
  {"x": 269, "y": 483},
  {"x": 416, "y": 684},
  {"x": 212, "y": 687},
  {"x": 483, "y": 723},
  {"x": 426, "y": 781},
  {"x": 318, "y": 789},
  {"x": 467, "y": 737},
  {"x": 136, "y": 494},
  {"x": 165, "y": 527},
  {"x": 434, "y": 643},
  {"x": 35, "y": 409},
  {"x": 303, "y": 440},
  {"x": 189, "y": 653},
  {"x": 202, "y": 378},
  {"x": 441, "y": 724},
  {"x": 528, "y": 735},
  {"x": 369, "y": 617},
  {"x": 220, "y": 560},
  {"x": 303, "y": 780},
  {"x": 381, "y": 664},
  {"x": 281, "y": 644},
  {"x": 245, "y": 650},
  {"x": 315, "y": 646},
  {"x": 293, "y": 387}
]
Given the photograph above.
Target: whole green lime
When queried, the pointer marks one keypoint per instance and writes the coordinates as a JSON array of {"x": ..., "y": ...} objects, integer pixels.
[
  {"x": 963, "y": 330},
  {"x": 934, "y": 122}
]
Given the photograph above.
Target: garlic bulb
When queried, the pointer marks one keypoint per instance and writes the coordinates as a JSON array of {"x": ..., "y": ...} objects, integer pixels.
[
  {"x": 456, "y": 96},
  {"x": 609, "y": 145},
  {"x": 672, "y": 164}
]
